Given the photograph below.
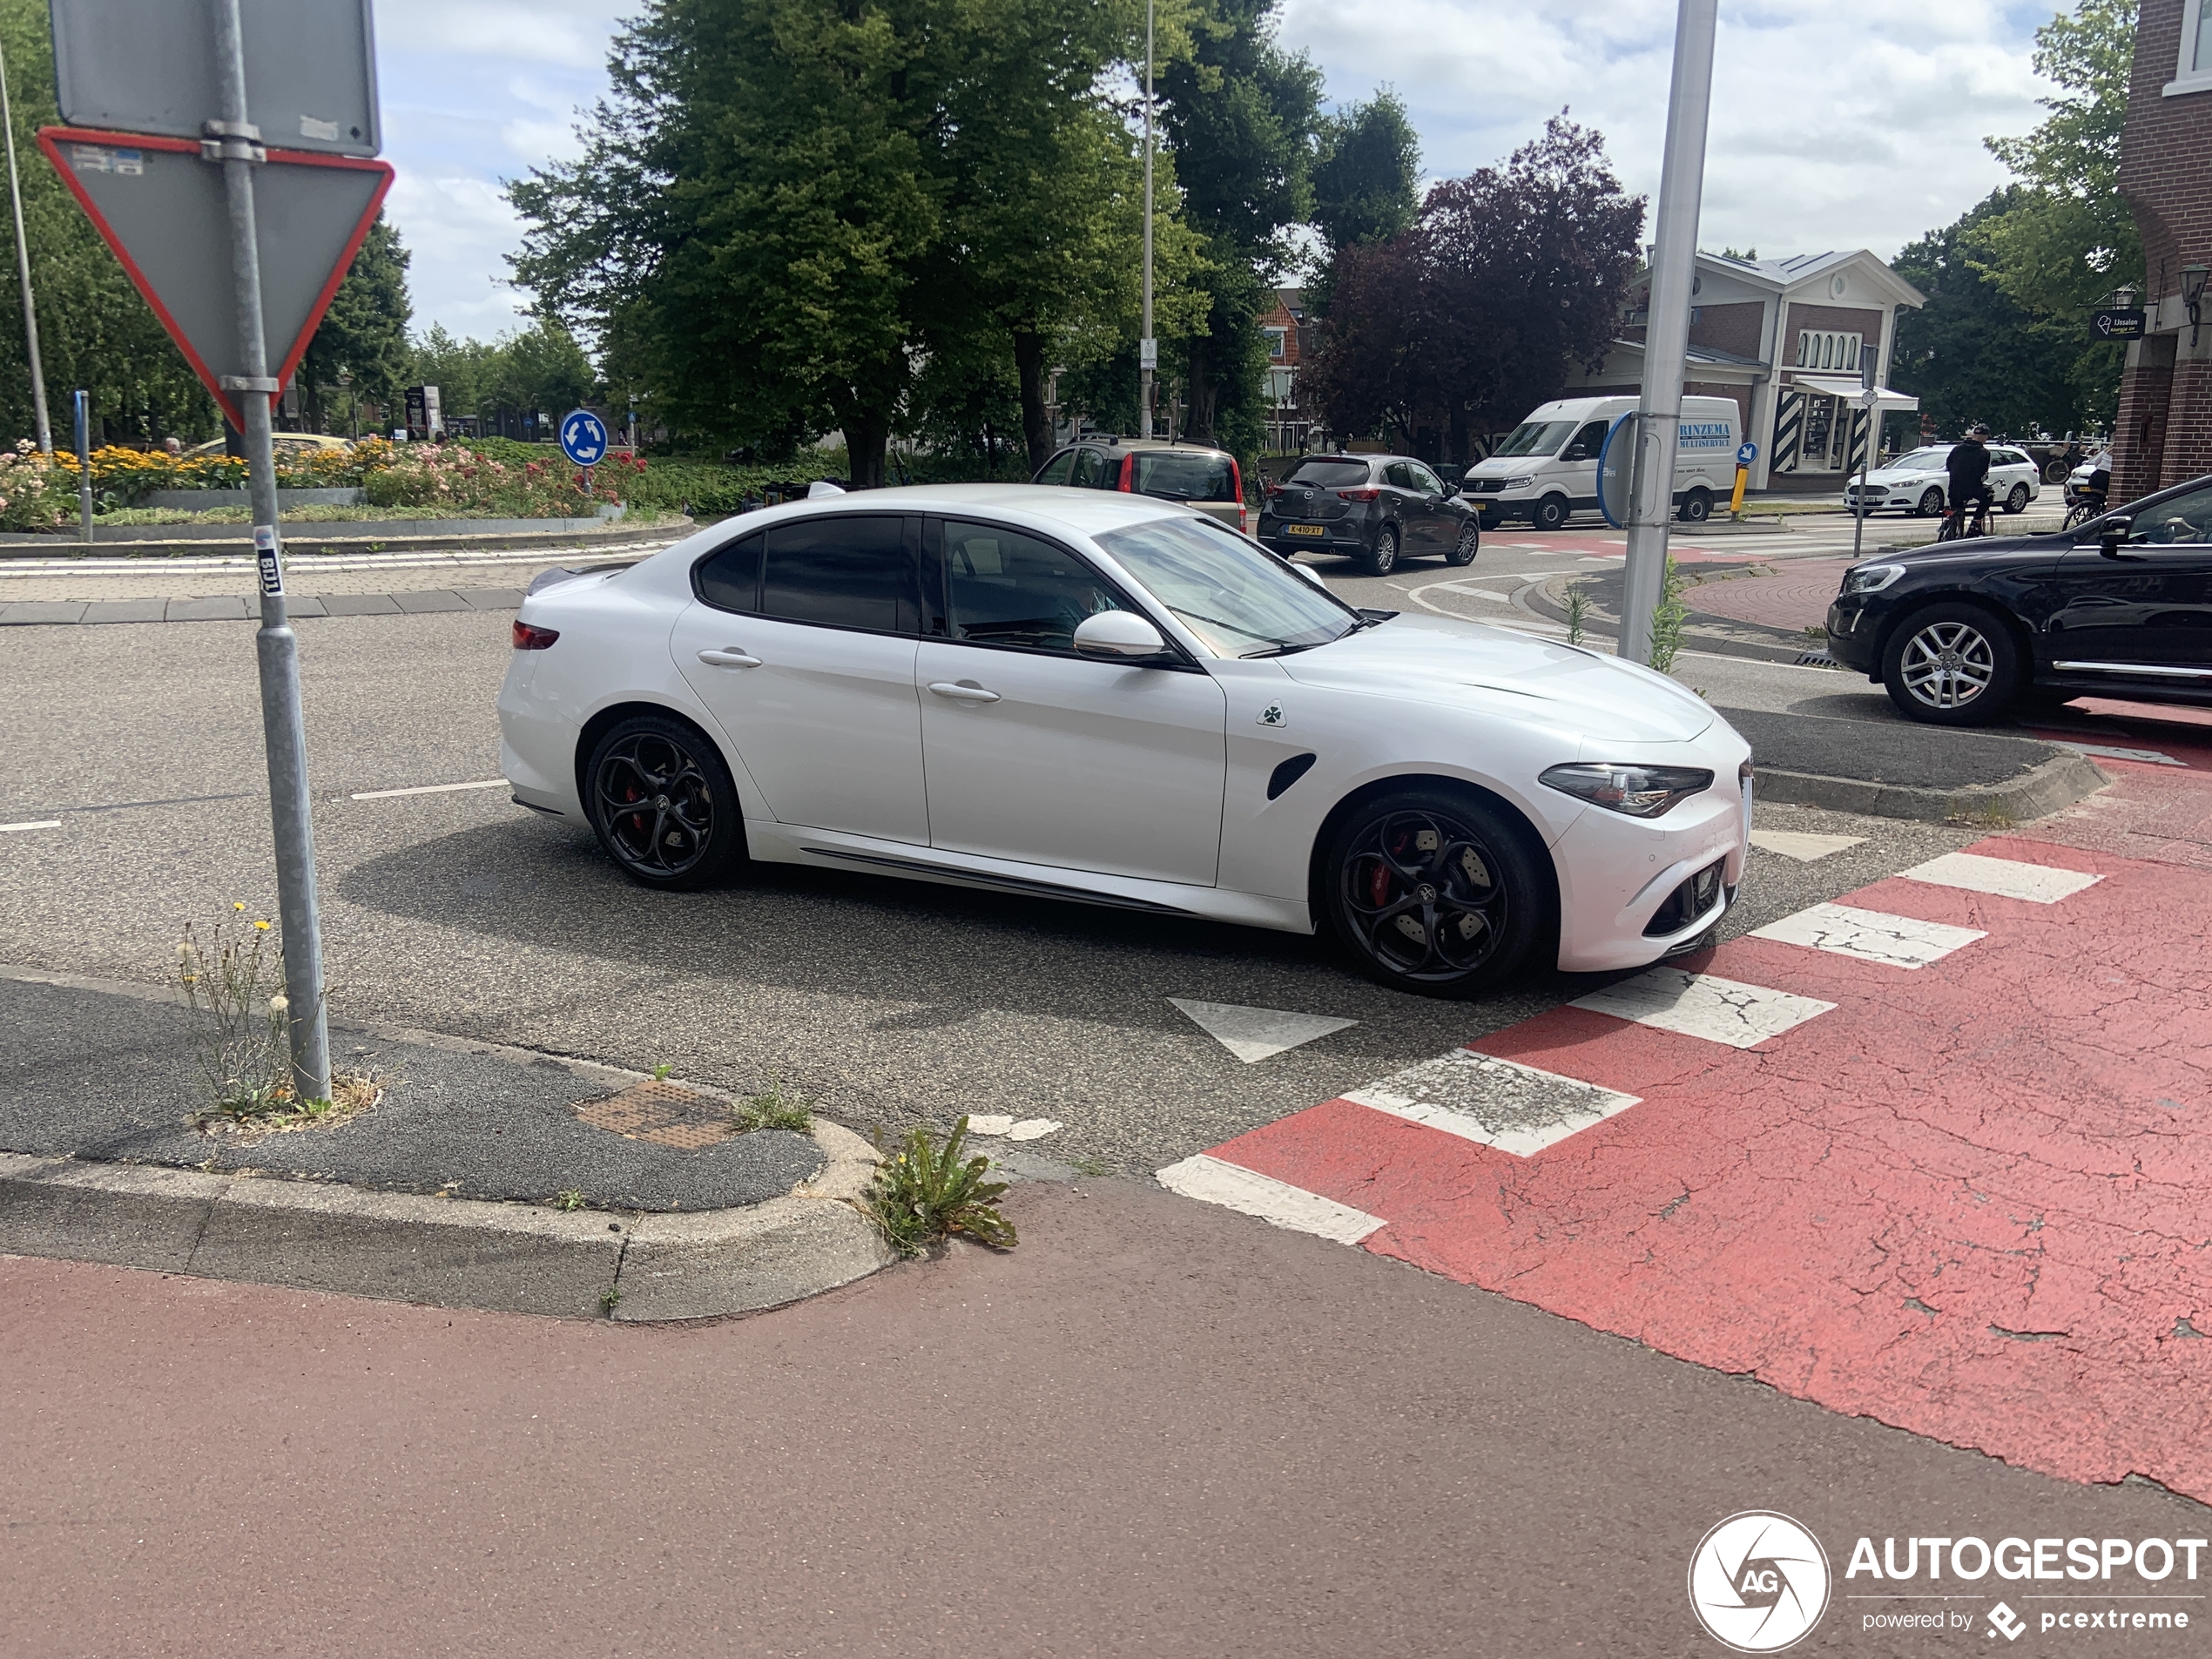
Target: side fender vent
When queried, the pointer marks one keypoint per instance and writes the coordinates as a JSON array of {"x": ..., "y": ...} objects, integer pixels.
[{"x": 1288, "y": 773}]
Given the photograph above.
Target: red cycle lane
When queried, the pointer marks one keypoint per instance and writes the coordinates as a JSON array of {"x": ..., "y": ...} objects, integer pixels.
[{"x": 1971, "y": 1199}]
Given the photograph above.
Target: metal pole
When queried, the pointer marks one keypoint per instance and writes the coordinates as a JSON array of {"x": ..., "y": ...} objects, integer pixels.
[
  {"x": 1151, "y": 347},
  {"x": 283, "y": 734},
  {"x": 83, "y": 466},
  {"x": 1866, "y": 463},
  {"x": 1666, "y": 335},
  {"x": 23, "y": 275}
]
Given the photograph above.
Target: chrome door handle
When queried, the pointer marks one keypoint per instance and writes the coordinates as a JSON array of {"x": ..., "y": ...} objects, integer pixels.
[
  {"x": 730, "y": 657},
  {"x": 963, "y": 691}
]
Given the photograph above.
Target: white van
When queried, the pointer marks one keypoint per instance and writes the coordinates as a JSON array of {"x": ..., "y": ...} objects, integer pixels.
[{"x": 1548, "y": 468}]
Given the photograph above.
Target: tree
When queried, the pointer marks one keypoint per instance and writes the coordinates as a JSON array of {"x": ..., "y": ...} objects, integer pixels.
[
  {"x": 1973, "y": 353},
  {"x": 1240, "y": 114},
  {"x": 364, "y": 332},
  {"x": 1367, "y": 180},
  {"x": 1372, "y": 372},
  {"x": 540, "y": 369},
  {"x": 2069, "y": 238}
]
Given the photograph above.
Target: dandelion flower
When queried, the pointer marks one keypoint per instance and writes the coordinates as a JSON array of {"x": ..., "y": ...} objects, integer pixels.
[
  {"x": 237, "y": 904},
  {"x": 278, "y": 1004}
]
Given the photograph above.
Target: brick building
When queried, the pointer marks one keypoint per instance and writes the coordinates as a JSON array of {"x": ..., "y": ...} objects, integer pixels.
[
  {"x": 1784, "y": 339},
  {"x": 1284, "y": 327},
  {"x": 2163, "y": 434}
]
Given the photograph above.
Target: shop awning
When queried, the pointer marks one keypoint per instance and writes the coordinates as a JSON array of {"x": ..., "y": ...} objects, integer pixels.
[{"x": 1850, "y": 391}]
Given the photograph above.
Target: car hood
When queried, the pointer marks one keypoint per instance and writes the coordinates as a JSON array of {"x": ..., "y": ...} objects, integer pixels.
[
  {"x": 1976, "y": 550},
  {"x": 1892, "y": 476},
  {"x": 1498, "y": 671},
  {"x": 1507, "y": 465}
]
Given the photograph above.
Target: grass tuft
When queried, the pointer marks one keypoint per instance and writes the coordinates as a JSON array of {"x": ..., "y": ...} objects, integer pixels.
[{"x": 926, "y": 1192}]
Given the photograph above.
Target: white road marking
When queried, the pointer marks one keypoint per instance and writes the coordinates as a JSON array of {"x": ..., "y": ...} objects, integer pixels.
[
  {"x": 2149, "y": 756},
  {"x": 1803, "y": 844},
  {"x": 1252, "y": 1034},
  {"x": 1493, "y": 1102},
  {"x": 1034, "y": 1128},
  {"x": 1474, "y": 592},
  {"x": 2004, "y": 878},
  {"x": 42, "y": 823},
  {"x": 1700, "y": 1005},
  {"x": 1277, "y": 1202},
  {"x": 988, "y": 1124},
  {"x": 428, "y": 789},
  {"x": 1869, "y": 935}
]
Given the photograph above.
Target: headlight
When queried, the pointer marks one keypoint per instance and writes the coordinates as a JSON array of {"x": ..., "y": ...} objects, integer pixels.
[
  {"x": 1517, "y": 484},
  {"x": 1641, "y": 791},
  {"x": 1871, "y": 578}
]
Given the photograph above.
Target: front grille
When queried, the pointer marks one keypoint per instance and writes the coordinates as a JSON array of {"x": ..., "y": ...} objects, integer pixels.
[
  {"x": 1698, "y": 895},
  {"x": 1486, "y": 486}
]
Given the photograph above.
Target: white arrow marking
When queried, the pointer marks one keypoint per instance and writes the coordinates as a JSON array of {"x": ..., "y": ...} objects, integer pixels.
[{"x": 1254, "y": 1033}]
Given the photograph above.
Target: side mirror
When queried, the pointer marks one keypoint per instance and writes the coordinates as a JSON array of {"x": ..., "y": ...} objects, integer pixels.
[
  {"x": 1118, "y": 635},
  {"x": 1450, "y": 489},
  {"x": 1575, "y": 452},
  {"x": 2115, "y": 533}
]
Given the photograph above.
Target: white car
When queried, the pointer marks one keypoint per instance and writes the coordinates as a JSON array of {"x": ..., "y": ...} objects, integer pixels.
[
  {"x": 1917, "y": 482},
  {"x": 1107, "y": 698}
]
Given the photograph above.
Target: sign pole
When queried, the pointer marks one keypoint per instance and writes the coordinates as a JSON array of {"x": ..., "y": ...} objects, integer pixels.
[
  {"x": 1674, "y": 270},
  {"x": 84, "y": 409},
  {"x": 236, "y": 143}
]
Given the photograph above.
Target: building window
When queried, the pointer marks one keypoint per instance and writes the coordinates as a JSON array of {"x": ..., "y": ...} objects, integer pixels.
[
  {"x": 1276, "y": 347},
  {"x": 2193, "y": 73},
  {"x": 1819, "y": 349}
]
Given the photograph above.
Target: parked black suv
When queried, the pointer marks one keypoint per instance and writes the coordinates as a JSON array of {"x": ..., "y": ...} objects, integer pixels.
[
  {"x": 1376, "y": 509},
  {"x": 2120, "y": 606}
]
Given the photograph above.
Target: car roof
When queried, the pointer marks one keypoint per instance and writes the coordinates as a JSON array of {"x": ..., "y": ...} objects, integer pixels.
[
  {"x": 1083, "y": 512},
  {"x": 1107, "y": 441}
]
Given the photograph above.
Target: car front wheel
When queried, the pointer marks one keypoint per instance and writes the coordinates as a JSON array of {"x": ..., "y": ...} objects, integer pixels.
[
  {"x": 1931, "y": 501},
  {"x": 1434, "y": 893},
  {"x": 661, "y": 798},
  {"x": 1464, "y": 549},
  {"x": 1550, "y": 513},
  {"x": 1952, "y": 664}
]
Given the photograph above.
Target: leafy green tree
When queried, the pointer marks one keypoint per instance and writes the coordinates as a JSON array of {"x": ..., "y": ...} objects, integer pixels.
[
  {"x": 1366, "y": 179},
  {"x": 364, "y": 332},
  {"x": 541, "y": 369},
  {"x": 1973, "y": 353},
  {"x": 2069, "y": 238},
  {"x": 1240, "y": 113},
  {"x": 94, "y": 330}
]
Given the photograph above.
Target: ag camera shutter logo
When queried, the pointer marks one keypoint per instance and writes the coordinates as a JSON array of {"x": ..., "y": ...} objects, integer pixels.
[{"x": 1758, "y": 1581}]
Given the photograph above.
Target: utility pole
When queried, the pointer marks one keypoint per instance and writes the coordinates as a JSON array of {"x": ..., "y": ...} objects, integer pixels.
[
  {"x": 23, "y": 275},
  {"x": 237, "y": 142},
  {"x": 1666, "y": 335},
  {"x": 1148, "y": 348}
]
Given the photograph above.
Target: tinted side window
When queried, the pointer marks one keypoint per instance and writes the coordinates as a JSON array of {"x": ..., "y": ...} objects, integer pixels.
[
  {"x": 2185, "y": 518},
  {"x": 847, "y": 572},
  {"x": 730, "y": 579},
  {"x": 1056, "y": 469},
  {"x": 1424, "y": 480},
  {"x": 1004, "y": 587},
  {"x": 1397, "y": 473},
  {"x": 1090, "y": 469}
]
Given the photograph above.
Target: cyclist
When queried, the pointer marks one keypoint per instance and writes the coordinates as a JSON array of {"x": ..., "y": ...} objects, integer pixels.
[
  {"x": 2089, "y": 498},
  {"x": 1968, "y": 466}
]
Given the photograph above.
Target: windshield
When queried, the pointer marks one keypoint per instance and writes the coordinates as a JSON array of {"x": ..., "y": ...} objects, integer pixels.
[
  {"x": 1235, "y": 596},
  {"x": 1922, "y": 460},
  {"x": 1330, "y": 474},
  {"x": 1186, "y": 478},
  {"x": 1534, "y": 438}
]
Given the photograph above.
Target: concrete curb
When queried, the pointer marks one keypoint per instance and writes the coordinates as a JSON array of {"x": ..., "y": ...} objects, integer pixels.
[
  {"x": 302, "y": 544},
  {"x": 2056, "y": 783},
  {"x": 451, "y": 1253}
]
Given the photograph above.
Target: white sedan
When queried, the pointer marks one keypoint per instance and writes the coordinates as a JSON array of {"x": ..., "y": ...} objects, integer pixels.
[
  {"x": 1917, "y": 482},
  {"x": 1106, "y": 699}
]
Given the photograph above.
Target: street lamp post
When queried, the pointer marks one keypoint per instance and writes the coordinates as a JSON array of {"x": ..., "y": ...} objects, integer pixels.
[
  {"x": 1148, "y": 348},
  {"x": 23, "y": 275}
]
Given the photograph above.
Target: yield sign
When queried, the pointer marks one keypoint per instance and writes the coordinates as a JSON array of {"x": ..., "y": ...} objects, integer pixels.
[{"x": 164, "y": 212}]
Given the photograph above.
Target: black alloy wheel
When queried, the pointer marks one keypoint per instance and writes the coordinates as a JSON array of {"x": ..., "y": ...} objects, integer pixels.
[
  {"x": 1464, "y": 549},
  {"x": 1952, "y": 664},
  {"x": 1434, "y": 893},
  {"x": 661, "y": 798},
  {"x": 1550, "y": 513},
  {"x": 1384, "y": 559}
]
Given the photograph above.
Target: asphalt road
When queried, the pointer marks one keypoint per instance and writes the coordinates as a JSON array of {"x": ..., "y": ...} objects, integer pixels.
[
  {"x": 886, "y": 1001},
  {"x": 1155, "y": 1428}
]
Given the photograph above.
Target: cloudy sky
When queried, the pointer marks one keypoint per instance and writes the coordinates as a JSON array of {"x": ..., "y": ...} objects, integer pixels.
[{"x": 1835, "y": 124}]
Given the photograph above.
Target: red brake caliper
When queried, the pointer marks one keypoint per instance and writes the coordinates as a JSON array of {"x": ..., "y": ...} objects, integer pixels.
[{"x": 1378, "y": 886}]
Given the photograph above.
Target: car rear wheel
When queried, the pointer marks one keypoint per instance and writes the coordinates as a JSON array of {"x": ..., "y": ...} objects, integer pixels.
[
  {"x": 1384, "y": 559},
  {"x": 661, "y": 798},
  {"x": 2017, "y": 501},
  {"x": 1434, "y": 893},
  {"x": 1952, "y": 664},
  {"x": 1696, "y": 507},
  {"x": 1464, "y": 549},
  {"x": 1931, "y": 501},
  {"x": 1550, "y": 513}
]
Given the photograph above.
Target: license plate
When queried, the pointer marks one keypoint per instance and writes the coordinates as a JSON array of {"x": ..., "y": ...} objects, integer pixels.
[{"x": 1303, "y": 529}]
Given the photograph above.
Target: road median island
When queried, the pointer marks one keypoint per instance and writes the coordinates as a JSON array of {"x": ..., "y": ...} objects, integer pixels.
[
  {"x": 484, "y": 1176},
  {"x": 306, "y": 540}
]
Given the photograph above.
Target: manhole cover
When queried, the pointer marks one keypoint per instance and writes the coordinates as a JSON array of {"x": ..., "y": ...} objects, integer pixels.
[{"x": 667, "y": 1114}]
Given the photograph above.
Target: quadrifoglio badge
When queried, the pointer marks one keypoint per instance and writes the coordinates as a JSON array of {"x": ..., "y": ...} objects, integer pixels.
[{"x": 1760, "y": 1582}]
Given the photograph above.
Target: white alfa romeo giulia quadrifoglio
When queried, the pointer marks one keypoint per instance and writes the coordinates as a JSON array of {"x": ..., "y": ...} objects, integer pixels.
[{"x": 1104, "y": 697}]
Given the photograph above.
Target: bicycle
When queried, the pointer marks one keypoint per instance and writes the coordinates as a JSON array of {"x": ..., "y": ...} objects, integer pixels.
[
  {"x": 1951, "y": 531},
  {"x": 2085, "y": 507}
]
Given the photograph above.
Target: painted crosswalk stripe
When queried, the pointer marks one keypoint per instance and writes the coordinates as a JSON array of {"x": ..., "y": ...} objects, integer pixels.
[
  {"x": 1802, "y": 845},
  {"x": 2002, "y": 877},
  {"x": 1869, "y": 935},
  {"x": 35, "y": 823},
  {"x": 1491, "y": 1102},
  {"x": 428, "y": 789},
  {"x": 1211, "y": 1181},
  {"x": 1702, "y": 1005}
]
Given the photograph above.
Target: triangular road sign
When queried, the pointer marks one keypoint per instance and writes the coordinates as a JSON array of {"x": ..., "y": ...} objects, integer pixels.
[
  {"x": 164, "y": 212},
  {"x": 1254, "y": 1033}
]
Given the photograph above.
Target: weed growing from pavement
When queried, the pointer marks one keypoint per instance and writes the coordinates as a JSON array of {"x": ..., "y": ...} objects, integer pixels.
[
  {"x": 1667, "y": 618},
  {"x": 233, "y": 983},
  {"x": 925, "y": 1192},
  {"x": 609, "y": 1301},
  {"x": 569, "y": 1198},
  {"x": 775, "y": 1110},
  {"x": 1578, "y": 612},
  {"x": 661, "y": 1071}
]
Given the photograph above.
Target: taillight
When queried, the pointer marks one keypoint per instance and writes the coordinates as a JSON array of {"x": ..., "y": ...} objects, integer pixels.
[
  {"x": 530, "y": 638},
  {"x": 1128, "y": 474},
  {"x": 1245, "y": 520},
  {"x": 1237, "y": 478},
  {"x": 1359, "y": 495}
]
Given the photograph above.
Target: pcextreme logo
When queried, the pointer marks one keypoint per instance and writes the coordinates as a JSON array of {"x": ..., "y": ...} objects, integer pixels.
[{"x": 1758, "y": 1581}]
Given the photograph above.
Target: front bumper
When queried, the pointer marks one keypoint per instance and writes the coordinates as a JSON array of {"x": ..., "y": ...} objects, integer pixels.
[
  {"x": 1618, "y": 874},
  {"x": 1850, "y": 633}
]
